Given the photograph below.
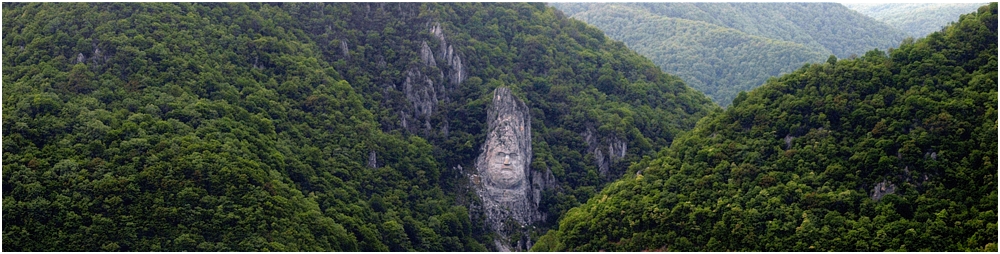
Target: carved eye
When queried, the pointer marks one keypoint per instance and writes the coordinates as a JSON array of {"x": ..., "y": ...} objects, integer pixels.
[
  {"x": 512, "y": 155},
  {"x": 501, "y": 154}
]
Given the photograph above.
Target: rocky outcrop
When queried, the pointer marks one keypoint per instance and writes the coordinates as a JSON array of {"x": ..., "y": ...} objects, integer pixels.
[
  {"x": 883, "y": 188},
  {"x": 603, "y": 158},
  {"x": 429, "y": 83},
  {"x": 788, "y": 141},
  {"x": 509, "y": 190},
  {"x": 426, "y": 56},
  {"x": 372, "y": 160},
  {"x": 343, "y": 49},
  {"x": 914, "y": 180},
  {"x": 542, "y": 181},
  {"x": 456, "y": 71},
  {"x": 423, "y": 95},
  {"x": 96, "y": 59}
]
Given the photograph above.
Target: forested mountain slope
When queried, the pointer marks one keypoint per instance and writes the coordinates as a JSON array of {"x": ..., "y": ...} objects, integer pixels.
[
  {"x": 724, "y": 48},
  {"x": 889, "y": 151},
  {"x": 916, "y": 19},
  {"x": 303, "y": 127}
]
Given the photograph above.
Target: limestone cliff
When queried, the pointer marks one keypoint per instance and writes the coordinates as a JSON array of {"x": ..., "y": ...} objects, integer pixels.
[
  {"x": 456, "y": 71},
  {"x": 603, "y": 158},
  {"x": 504, "y": 181},
  {"x": 430, "y": 82},
  {"x": 423, "y": 94}
]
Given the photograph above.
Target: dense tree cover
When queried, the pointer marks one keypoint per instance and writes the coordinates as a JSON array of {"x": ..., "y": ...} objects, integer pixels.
[
  {"x": 145, "y": 127},
  {"x": 574, "y": 79},
  {"x": 245, "y": 127},
  {"x": 718, "y": 60},
  {"x": 889, "y": 151},
  {"x": 823, "y": 25},
  {"x": 915, "y": 19},
  {"x": 724, "y": 48}
]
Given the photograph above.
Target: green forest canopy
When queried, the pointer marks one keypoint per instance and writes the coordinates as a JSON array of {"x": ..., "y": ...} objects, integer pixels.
[
  {"x": 916, "y": 19},
  {"x": 890, "y": 151},
  {"x": 281, "y": 127},
  {"x": 724, "y": 48}
]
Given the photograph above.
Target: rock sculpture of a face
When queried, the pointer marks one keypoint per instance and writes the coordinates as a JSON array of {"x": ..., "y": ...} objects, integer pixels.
[
  {"x": 503, "y": 163},
  {"x": 505, "y": 159},
  {"x": 503, "y": 174}
]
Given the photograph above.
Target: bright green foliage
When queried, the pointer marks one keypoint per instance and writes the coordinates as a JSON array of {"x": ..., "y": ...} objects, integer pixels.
[
  {"x": 242, "y": 127},
  {"x": 916, "y": 19},
  {"x": 793, "y": 165},
  {"x": 724, "y": 48}
]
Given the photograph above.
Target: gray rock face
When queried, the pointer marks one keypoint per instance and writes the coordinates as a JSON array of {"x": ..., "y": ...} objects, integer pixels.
[
  {"x": 426, "y": 55},
  {"x": 423, "y": 95},
  {"x": 96, "y": 58},
  {"x": 616, "y": 149},
  {"x": 428, "y": 83},
  {"x": 881, "y": 189},
  {"x": 788, "y": 141},
  {"x": 372, "y": 160},
  {"x": 456, "y": 72},
  {"x": 343, "y": 49},
  {"x": 504, "y": 180}
]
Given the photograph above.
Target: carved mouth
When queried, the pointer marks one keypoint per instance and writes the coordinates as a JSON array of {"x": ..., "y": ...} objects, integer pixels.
[
  {"x": 506, "y": 178},
  {"x": 507, "y": 174}
]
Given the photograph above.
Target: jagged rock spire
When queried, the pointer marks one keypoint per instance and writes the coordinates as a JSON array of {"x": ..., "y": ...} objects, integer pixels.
[{"x": 504, "y": 178}]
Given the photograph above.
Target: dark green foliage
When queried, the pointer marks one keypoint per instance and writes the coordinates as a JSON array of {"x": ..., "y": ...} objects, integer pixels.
[
  {"x": 243, "y": 127},
  {"x": 568, "y": 73},
  {"x": 800, "y": 163},
  {"x": 724, "y": 48},
  {"x": 186, "y": 129}
]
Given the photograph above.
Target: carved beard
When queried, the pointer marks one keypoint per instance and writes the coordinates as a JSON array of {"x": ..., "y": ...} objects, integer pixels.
[{"x": 505, "y": 177}]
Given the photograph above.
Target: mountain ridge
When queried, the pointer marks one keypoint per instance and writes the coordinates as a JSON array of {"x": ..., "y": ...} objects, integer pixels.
[
  {"x": 917, "y": 19},
  {"x": 823, "y": 28},
  {"x": 888, "y": 151}
]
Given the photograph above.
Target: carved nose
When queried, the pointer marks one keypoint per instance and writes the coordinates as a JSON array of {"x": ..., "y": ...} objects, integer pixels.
[{"x": 506, "y": 160}]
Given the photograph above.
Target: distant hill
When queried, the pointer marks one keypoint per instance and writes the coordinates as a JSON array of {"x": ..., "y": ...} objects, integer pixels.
[
  {"x": 891, "y": 151},
  {"x": 916, "y": 19},
  {"x": 723, "y": 48}
]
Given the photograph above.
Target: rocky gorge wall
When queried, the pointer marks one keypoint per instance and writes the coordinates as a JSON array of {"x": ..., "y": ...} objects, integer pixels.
[
  {"x": 424, "y": 90},
  {"x": 435, "y": 78},
  {"x": 504, "y": 181}
]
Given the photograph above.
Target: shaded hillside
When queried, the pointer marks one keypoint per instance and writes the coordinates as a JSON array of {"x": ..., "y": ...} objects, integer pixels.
[
  {"x": 303, "y": 127},
  {"x": 724, "y": 48},
  {"x": 889, "y": 151},
  {"x": 719, "y": 60},
  {"x": 916, "y": 19}
]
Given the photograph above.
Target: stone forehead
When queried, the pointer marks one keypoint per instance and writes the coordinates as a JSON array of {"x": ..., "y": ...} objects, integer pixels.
[
  {"x": 508, "y": 124},
  {"x": 506, "y": 139},
  {"x": 510, "y": 120},
  {"x": 515, "y": 126},
  {"x": 506, "y": 136}
]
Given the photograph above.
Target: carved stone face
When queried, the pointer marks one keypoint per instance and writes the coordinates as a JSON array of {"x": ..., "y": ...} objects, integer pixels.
[
  {"x": 503, "y": 181},
  {"x": 505, "y": 159}
]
